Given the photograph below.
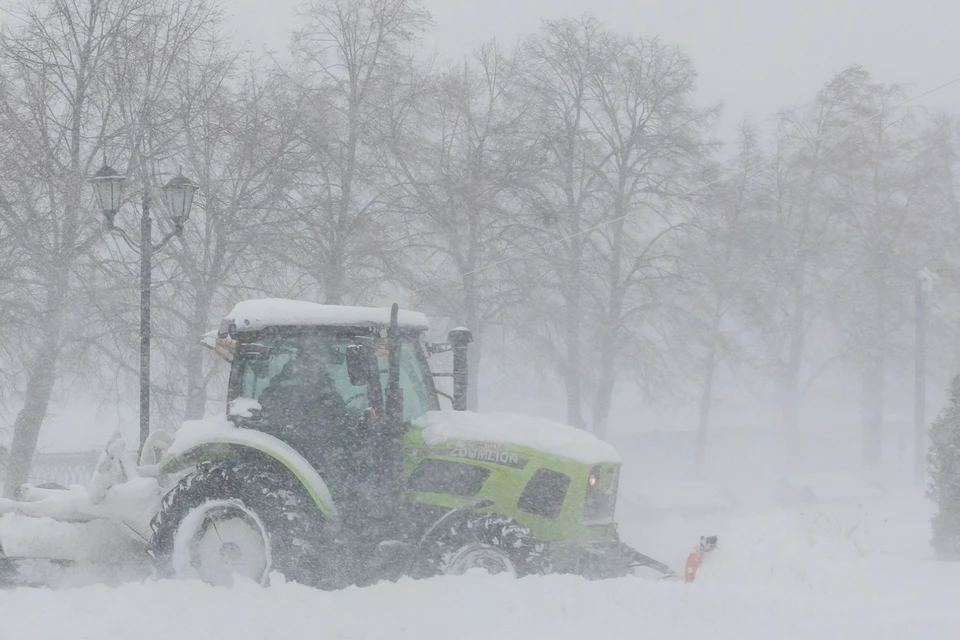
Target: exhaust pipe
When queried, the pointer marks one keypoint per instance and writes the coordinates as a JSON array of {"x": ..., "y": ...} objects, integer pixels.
[{"x": 460, "y": 339}]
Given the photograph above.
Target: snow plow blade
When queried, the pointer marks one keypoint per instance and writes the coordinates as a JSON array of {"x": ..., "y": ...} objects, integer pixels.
[
  {"x": 695, "y": 559},
  {"x": 636, "y": 560}
]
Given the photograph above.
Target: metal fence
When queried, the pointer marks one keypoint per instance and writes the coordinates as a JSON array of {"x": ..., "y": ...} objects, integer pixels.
[{"x": 64, "y": 468}]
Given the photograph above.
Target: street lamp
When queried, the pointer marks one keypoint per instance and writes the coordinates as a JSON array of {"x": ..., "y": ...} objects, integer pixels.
[{"x": 179, "y": 192}]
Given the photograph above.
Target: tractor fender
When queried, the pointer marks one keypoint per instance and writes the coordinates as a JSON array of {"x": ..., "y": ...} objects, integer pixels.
[{"x": 188, "y": 452}]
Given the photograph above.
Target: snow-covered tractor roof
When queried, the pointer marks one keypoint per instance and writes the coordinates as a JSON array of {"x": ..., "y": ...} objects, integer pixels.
[{"x": 254, "y": 315}]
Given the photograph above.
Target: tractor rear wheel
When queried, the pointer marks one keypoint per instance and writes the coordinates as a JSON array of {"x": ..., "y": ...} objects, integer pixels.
[{"x": 238, "y": 518}]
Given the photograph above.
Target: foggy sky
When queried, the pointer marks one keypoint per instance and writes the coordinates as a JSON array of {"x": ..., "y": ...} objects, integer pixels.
[{"x": 755, "y": 56}]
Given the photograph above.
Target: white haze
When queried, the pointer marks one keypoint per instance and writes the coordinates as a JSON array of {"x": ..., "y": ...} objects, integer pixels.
[
  {"x": 756, "y": 58},
  {"x": 746, "y": 274}
]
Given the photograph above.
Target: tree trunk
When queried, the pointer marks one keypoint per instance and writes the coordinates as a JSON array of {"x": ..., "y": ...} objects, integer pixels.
[
  {"x": 790, "y": 378},
  {"x": 196, "y": 381},
  {"x": 474, "y": 350},
  {"x": 706, "y": 397},
  {"x": 471, "y": 317},
  {"x": 574, "y": 366},
  {"x": 871, "y": 409},
  {"x": 608, "y": 350},
  {"x": 790, "y": 413},
  {"x": 333, "y": 280},
  {"x": 604, "y": 397},
  {"x": 40, "y": 381},
  {"x": 874, "y": 384},
  {"x": 608, "y": 347},
  {"x": 196, "y": 386}
]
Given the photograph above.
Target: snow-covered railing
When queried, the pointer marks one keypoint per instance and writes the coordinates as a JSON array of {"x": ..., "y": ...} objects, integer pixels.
[{"x": 64, "y": 469}]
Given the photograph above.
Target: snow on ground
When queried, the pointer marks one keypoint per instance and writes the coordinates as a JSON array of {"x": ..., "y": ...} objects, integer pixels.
[
  {"x": 842, "y": 569},
  {"x": 890, "y": 599},
  {"x": 96, "y": 541}
]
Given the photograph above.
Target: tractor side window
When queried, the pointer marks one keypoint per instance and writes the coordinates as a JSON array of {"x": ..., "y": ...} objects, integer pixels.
[
  {"x": 448, "y": 477},
  {"x": 545, "y": 493},
  {"x": 258, "y": 374},
  {"x": 415, "y": 402}
]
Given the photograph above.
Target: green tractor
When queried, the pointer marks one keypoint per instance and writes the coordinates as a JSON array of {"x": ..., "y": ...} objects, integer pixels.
[{"x": 336, "y": 467}]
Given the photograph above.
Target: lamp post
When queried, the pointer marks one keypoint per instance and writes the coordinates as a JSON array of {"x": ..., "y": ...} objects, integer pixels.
[{"x": 178, "y": 193}]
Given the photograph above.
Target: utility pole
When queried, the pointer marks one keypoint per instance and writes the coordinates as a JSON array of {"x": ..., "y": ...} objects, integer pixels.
[{"x": 146, "y": 253}]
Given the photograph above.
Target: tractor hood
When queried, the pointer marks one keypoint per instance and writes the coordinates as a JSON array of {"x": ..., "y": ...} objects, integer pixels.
[{"x": 538, "y": 434}]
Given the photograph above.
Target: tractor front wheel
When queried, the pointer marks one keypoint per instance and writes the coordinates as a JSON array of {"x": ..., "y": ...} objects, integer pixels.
[{"x": 494, "y": 543}]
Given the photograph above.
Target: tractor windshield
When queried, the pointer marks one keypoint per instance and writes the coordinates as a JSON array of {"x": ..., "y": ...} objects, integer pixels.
[{"x": 307, "y": 373}]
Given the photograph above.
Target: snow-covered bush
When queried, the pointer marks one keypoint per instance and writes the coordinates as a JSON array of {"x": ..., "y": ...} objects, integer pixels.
[{"x": 944, "y": 464}]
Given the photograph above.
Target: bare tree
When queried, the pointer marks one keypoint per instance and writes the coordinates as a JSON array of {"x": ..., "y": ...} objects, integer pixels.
[
  {"x": 803, "y": 261},
  {"x": 239, "y": 151},
  {"x": 564, "y": 193},
  {"x": 456, "y": 161},
  {"x": 58, "y": 107},
  {"x": 655, "y": 150},
  {"x": 723, "y": 259},
  {"x": 84, "y": 81},
  {"x": 882, "y": 216},
  {"x": 619, "y": 142},
  {"x": 347, "y": 54}
]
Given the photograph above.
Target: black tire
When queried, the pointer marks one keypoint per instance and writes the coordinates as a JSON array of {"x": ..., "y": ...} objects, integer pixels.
[
  {"x": 293, "y": 523},
  {"x": 498, "y": 532}
]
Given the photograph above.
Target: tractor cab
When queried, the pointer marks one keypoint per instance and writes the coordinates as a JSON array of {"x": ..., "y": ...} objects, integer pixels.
[
  {"x": 308, "y": 382},
  {"x": 319, "y": 378},
  {"x": 321, "y": 360}
]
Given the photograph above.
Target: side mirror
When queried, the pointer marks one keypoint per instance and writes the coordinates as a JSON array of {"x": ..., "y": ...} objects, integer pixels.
[{"x": 358, "y": 365}]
